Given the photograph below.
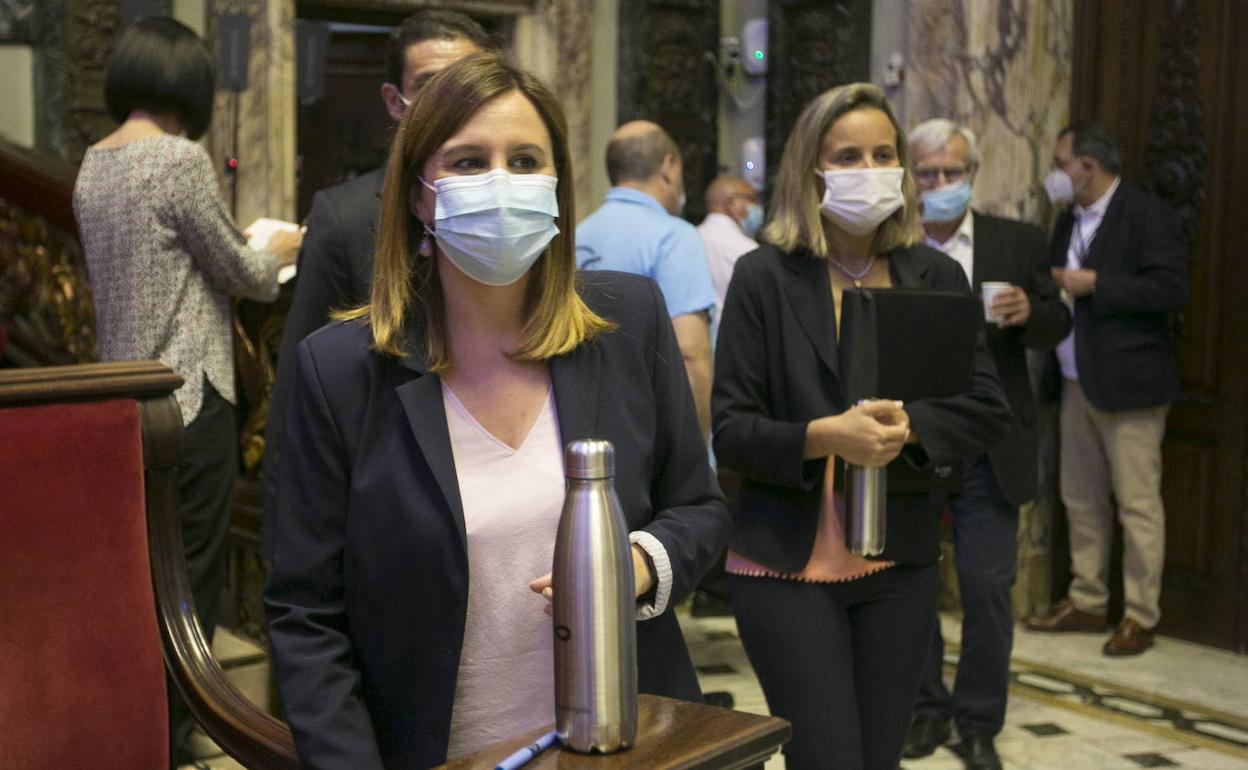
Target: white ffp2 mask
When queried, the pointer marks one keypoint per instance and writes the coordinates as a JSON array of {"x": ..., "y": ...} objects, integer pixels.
[
  {"x": 858, "y": 199},
  {"x": 1059, "y": 187}
]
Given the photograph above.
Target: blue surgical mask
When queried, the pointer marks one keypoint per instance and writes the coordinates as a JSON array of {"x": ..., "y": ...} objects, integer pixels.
[
  {"x": 494, "y": 226},
  {"x": 753, "y": 219},
  {"x": 946, "y": 204}
]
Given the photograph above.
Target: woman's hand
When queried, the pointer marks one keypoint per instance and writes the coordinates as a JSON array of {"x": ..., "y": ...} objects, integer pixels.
[
  {"x": 643, "y": 578},
  {"x": 870, "y": 434},
  {"x": 284, "y": 245}
]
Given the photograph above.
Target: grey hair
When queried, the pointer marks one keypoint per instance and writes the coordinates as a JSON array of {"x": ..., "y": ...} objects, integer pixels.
[{"x": 931, "y": 135}]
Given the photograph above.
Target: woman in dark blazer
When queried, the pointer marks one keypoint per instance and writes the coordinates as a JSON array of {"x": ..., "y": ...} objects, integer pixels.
[
  {"x": 414, "y": 505},
  {"x": 837, "y": 640}
]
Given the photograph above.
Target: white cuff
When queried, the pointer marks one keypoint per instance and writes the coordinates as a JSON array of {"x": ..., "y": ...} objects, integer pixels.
[{"x": 662, "y": 573}]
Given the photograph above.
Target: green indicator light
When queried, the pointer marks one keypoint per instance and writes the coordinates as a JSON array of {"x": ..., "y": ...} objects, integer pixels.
[{"x": 758, "y": 55}]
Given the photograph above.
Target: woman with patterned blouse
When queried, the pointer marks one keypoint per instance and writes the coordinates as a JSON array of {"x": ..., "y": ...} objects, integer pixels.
[{"x": 164, "y": 257}]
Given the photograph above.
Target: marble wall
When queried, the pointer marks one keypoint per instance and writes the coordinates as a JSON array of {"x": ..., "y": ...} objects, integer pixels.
[
  {"x": 1002, "y": 67},
  {"x": 257, "y": 126}
]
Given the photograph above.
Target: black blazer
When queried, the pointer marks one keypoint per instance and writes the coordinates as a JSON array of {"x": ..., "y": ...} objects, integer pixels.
[
  {"x": 367, "y": 594},
  {"x": 1005, "y": 250},
  {"x": 776, "y": 370},
  {"x": 335, "y": 273},
  {"x": 1124, "y": 342}
]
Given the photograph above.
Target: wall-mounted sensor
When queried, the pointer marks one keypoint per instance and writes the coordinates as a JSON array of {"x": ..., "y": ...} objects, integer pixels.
[
  {"x": 753, "y": 162},
  {"x": 894, "y": 70},
  {"x": 754, "y": 47}
]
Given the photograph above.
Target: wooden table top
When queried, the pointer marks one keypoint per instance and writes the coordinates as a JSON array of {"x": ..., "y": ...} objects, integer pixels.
[{"x": 671, "y": 734}]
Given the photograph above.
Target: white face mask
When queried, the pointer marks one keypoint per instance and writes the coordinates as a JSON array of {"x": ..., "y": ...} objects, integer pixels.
[
  {"x": 1059, "y": 187},
  {"x": 859, "y": 199},
  {"x": 494, "y": 226}
]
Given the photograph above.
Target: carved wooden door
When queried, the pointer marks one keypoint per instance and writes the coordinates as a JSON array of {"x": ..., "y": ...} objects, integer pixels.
[{"x": 1166, "y": 78}]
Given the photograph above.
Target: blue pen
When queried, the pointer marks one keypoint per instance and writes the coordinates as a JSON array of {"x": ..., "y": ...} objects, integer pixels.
[{"x": 528, "y": 752}]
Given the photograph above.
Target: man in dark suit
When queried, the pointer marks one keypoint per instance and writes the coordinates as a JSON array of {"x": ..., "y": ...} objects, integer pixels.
[
  {"x": 1118, "y": 258},
  {"x": 1028, "y": 314},
  {"x": 336, "y": 261}
]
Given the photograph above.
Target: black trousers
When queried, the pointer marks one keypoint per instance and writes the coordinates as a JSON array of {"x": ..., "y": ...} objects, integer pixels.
[
  {"x": 840, "y": 661},
  {"x": 985, "y": 553},
  {"x": 205, "y": 484}
]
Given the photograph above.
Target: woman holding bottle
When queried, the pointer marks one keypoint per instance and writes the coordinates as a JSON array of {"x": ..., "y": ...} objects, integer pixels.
[{"x": 837, "y": 640}]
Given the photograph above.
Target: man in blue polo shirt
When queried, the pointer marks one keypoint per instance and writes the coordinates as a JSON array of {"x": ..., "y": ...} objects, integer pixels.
[{"x": 638, "y": 230}]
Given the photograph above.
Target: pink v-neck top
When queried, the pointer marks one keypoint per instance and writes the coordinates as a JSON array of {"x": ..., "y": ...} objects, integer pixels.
[{"x": 512, "y": 499}]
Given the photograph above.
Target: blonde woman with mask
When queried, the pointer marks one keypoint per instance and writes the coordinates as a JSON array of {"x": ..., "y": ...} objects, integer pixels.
[{"x": 838, "y": 640}]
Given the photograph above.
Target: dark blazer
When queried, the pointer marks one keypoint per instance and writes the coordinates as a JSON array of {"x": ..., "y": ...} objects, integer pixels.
[
  {"x": 1006, "y": 250},
  {"x": 776, "y": 369},
  {"x": 367, "y": 594},
  {"x": 1124, "y": 342},
  {"x": 335, "y": 273}
]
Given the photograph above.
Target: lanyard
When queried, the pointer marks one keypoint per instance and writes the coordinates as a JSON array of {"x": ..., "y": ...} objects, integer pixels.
[{"x": 1081, "y": 245}]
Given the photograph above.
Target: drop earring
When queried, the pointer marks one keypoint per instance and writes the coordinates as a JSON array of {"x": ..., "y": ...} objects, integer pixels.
[{"x": 425, "y": 249}]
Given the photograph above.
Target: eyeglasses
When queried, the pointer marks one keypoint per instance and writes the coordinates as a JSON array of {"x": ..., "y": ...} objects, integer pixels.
[{"x": 952, "y": 174}]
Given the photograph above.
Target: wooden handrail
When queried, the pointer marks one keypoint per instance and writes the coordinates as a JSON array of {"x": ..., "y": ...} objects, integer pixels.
[{"x": 119, "y": 379}]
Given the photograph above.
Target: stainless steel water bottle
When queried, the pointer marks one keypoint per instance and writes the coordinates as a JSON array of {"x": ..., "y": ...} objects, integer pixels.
[
  {"x": 594, "y": 608},
  {"x": 866, "y": 509}
]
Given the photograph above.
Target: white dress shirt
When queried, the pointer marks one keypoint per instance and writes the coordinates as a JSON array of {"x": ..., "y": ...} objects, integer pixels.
[
  {"x": 961, "y": 246},
  {"x": 1087, "y": 222},
  {"x": 724, "y": 242}
]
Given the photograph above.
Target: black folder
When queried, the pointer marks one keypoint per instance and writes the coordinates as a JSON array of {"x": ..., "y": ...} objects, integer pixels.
[{"x": 907, "y": 344}]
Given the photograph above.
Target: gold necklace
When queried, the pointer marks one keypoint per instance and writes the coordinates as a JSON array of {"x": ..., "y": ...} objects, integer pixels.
[{"x": 857, "y": 277}]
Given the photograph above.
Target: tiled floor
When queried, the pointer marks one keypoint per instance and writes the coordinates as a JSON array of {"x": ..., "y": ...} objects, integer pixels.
[{"x": 1071, "y": 708}]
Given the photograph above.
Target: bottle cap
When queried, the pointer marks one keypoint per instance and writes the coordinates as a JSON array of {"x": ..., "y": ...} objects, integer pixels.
[{"x": 589, "y": 459}]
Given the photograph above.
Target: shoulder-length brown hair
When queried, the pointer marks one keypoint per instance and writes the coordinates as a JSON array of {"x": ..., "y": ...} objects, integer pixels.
[
  {"x": 796, "y": 221},
  {"x": 405, "y": 282}
]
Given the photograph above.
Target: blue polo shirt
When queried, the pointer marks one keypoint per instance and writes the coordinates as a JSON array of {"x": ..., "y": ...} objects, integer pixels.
[{"x": 632, "y": 233}]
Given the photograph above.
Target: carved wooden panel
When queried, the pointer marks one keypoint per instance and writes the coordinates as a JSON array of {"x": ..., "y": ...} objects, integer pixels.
[
  {"x": 17, "y": 21},
  {"x": 666, "y": 77},
  {"x": 1176, "y": 148},
  {"x": 815, "y": 45},
  {"x": 91, "y": 30},
  {"x": 45, "y": 302}
]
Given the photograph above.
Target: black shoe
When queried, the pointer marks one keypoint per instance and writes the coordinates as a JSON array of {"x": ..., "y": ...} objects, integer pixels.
[
  {"x": 978, "y": 753},
  {"x": 927, "y": 733}
]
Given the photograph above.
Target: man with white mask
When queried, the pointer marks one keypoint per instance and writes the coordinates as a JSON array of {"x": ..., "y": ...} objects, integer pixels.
[
  {"x": 985, "y": 512},
  {"x": 1118, "y": 258},
  {"x": 638, "y": 229}
]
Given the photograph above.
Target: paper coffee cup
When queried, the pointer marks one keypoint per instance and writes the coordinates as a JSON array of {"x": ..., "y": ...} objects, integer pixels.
[{"x": 989, "y": 290}]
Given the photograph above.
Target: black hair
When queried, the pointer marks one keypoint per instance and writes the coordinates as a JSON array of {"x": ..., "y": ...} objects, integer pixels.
[
  {"x": 1091, "y": 140},
  {"x": 161, "y": 66},
  {"x": 638, "y": 158},
  {"x": 431, "y": 25}
]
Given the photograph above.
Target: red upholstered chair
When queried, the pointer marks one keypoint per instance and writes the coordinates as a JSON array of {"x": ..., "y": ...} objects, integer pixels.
[{"x": 93, "y": 588}]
